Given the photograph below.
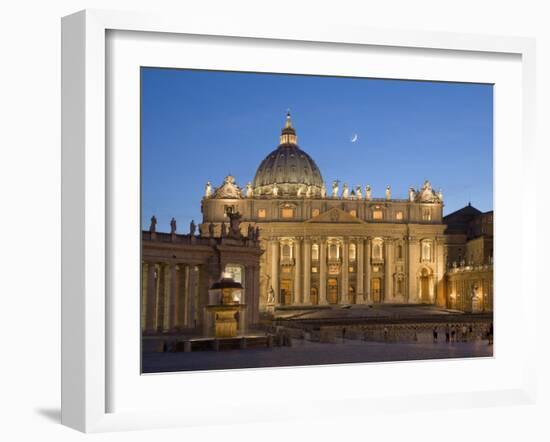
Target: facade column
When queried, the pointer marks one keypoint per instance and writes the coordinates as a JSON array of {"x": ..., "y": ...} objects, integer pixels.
[
  {"x": 307, "y": 272},
  {"x": 344, "y": 293},
  {"x": 388, "y": 289},
  {"x": 275, "y": 248},
  {"x": 368, "y": 268},
  {"x": 323, "y": 272},
  {"x": 297, "y": 272},
  {"x": 360, "y": 255},
  {"x": 413, "y": 258}
]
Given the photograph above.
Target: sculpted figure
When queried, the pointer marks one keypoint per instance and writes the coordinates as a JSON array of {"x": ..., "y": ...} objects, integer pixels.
[
  {"x": 211, "y": 230},
  {"x": 367, "y": 192},
  {"x": 257, "y": 234},
  {"x": 345, "y": 191},
  {"x": 440, "y": 195},
  {"x": 224, "y": 230},
  {"x": 323, "y": 191},
  {"x": 358, "y": 192},
  {"x": 250, "y": 232},
  {"x": 235, "y": 225},
  {"x": 299, "y": 193},
  {"x": 271, "y": 296},
  {"x": 173, "y": 226},
  {"x": 335, "y": 189},
  {"x": 412, "y": 193},
  {"x": 192, "y": 228},
  {"x": 308, "y": 192},
  {"x": 275, "y": 190},
  {"x": 388, "y": 192},
  {"x": 208, "y": 190},
  {"x": 249, "y": 190},
  {"x": 153, "y": 226}
]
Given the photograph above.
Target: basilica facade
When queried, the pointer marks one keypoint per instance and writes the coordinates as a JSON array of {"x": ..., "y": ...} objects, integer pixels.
[{"x": 333, "y": 246}]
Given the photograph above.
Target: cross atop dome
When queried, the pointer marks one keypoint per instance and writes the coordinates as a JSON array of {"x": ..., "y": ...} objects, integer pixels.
[{"x": 288, "y": 134}]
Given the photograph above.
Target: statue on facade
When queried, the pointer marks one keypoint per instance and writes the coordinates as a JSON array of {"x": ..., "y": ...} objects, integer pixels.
[
  {"x": 388, "y": 192},
  {"x": 208, "y": 190},
  {"x": 173, "y": 226},
  {"x": 275, "y": 190},
  {"x": 412, "y": 194},
  {"x": 153, "y": 225},
  {"x": 211, "y": 230},
  {"x": 323, "y": 191},
  {"x": 257, "y": 234},
  {"x": 358, "y": 192},
  {"x": 223, "y": 230},
  {"x": 367, "y": 192},
  {"x": 249, "y": 190},
  {"x": 250, "y": 232},
  {"x": 299, "y": 192},
  {"x": 440, "y": 195},
  {"x": 345, "y": 191},
  {"x": 235, "y": 225},
  {"x": 335, "y": 189},
  {"x": 271, "y": 296},
  {"x": 192, "y": 228},
  {"x": 308, "y": 192}
]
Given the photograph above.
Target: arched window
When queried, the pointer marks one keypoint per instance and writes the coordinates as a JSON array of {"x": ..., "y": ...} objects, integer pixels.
[
  {"x": 377, "y": 250},
  {"x": 333, "y": 252},
  {"x": 352, "y": 252},
  {"x": 315, "y": 252}
]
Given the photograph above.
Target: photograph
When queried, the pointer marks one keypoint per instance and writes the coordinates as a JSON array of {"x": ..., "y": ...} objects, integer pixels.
[{"x": 303, "y": 220}]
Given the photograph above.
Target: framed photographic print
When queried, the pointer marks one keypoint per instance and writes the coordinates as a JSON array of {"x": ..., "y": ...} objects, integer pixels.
[{"x": 251, "y": 212}]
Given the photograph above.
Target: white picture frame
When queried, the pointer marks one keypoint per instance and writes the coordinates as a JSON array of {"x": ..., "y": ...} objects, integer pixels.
[{"x": 86, "y": 205}]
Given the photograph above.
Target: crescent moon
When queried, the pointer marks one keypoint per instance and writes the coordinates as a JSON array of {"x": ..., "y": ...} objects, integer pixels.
[{"x": 354, "y": 138}]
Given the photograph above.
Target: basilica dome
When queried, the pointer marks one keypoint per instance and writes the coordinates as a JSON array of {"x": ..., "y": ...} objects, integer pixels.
[{"x": 288, "y": 170}]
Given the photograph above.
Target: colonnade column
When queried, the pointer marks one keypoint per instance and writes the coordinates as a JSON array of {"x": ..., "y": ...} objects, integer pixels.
[
  {"x": 387, "y": 270},
  {"x": 413, "y": 257},
  {"x": 368, "y": 248},
  {"x": 150, "y": 298},
  {"x": 344, "y": 293},
  {"x": 297, "y": 271},
  {"x": 173, "y": 298},
  {"x": 275, "y": 248},
  {"x": 360, "y": 254},
  {"x": 159, "y": 298},
  {"x": 307, "y": 271},
  {"x": 323, "y": 272},
  {"x": 191, "y": 296}
]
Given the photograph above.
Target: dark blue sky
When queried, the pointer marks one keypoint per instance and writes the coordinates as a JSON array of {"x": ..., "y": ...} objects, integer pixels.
[{"x": 202, "y": 125}]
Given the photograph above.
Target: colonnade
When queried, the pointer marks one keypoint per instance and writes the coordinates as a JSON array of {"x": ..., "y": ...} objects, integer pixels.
[{"x": 170, "y": 296}]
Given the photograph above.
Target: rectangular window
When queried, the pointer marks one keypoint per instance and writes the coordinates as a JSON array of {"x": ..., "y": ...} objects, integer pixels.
[
  {"x": 315, "y": 212},
  {"x": 426, "y": 214},
  {"x": 261, "y": 213},
  {"x": 377, "y": 214},
  {"x": 353, "y": 212},
  {"x": 287, "y": 213},
  {"x": 314, "y": 270},
  {"x": 399, "y": 216}
]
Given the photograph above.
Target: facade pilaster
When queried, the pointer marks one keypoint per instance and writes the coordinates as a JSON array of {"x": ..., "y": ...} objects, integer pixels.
[
  {"x": 275, "y": 249},
  {"x": 360, "y": 255},
  {"x": 344, "y": 293},
  {"x": 297, "y": 271}
]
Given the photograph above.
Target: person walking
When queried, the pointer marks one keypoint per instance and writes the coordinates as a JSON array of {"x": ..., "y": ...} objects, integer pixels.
[
  {"x": 385, "y": 333},
  {"x": 463, "y": 333},
  {"x": 453, "y": 333},
  {"x": 447, "y": 333},
  {"x": 435, "y": 334}
]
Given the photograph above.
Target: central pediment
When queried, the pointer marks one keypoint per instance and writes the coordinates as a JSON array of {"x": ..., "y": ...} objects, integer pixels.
[{"x": 335, "y": 215}]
